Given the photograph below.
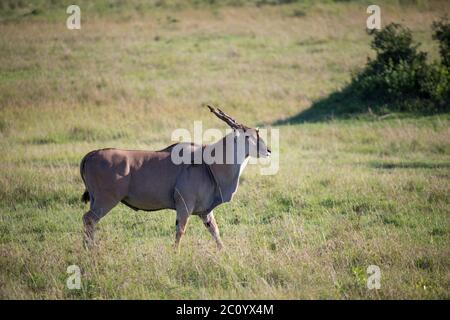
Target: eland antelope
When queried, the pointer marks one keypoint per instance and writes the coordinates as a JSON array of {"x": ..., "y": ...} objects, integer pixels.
[{"x": 151, "y": 180}]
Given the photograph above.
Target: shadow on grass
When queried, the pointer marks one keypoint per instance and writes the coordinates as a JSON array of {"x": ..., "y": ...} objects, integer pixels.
[
  {"x": 347, "y": 104},
  {"x": 342, "y": 104},
  {"x": 408, "y": 165}
]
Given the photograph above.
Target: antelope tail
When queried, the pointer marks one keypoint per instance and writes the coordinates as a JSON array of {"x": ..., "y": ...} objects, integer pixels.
[{"x": 85, "y": 197}]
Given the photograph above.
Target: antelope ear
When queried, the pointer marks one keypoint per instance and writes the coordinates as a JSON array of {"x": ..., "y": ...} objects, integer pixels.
[
  {"x": 237, "y": 133},
  {"x": 257, "y": 129}
]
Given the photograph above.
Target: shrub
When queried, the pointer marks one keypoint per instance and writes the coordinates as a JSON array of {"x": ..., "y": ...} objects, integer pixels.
[
  {"x": 441, "y": 32},
  {"x": 395, "y": 44},
  {"x": 437, "y": 86},
  {"x": 400, "y": 75}
]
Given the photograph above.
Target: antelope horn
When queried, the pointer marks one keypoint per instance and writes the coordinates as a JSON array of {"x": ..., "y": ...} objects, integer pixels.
[{"x": 226, "y": 118}]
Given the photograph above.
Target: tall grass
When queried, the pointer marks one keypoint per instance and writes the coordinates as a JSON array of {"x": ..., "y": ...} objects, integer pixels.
[{"x": 349, "y": 193}]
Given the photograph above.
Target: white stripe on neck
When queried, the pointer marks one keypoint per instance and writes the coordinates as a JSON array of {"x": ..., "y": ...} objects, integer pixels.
[
  {"x": 241, "y": 169},
  {"x": 243, "y": 165}
]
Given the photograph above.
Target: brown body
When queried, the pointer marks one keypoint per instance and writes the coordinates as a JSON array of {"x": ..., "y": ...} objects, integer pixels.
[
  {"x": 143, "y": 180},
  {"x": 150, "y": 180}
]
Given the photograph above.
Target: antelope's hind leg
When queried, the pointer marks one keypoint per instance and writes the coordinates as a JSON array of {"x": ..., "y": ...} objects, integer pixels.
[
  {"x": 99, "y": 208},
  {"x": 89, "y": 221},
  {"x": 210, "y": 223}
]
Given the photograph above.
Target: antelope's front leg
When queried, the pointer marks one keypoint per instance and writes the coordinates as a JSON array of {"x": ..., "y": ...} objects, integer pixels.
[
  {"x": 210, "y": 223},
  {"x": 181, "y": 222},
  {"x": 184, "y": 209}
]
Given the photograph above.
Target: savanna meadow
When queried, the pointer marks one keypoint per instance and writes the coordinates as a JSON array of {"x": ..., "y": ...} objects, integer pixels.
[{"x": 364, "y": 146}]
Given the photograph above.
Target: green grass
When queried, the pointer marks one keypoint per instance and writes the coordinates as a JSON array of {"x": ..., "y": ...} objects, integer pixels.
[{"x": 349, "y": 193}]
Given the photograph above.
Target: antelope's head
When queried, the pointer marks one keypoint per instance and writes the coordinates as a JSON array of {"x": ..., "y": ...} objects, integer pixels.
[{"x": 254, "y": 145}]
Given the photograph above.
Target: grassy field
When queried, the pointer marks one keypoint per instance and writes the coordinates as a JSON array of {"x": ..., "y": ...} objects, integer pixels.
[{"x": 349, "y": 193}]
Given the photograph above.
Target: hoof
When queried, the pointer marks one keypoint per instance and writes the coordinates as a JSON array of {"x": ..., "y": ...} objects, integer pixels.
[{"x": 88, "y": 242}]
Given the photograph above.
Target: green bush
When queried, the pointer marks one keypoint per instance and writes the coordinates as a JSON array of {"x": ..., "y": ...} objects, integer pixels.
[
  {"x": 441, "y": 32},
  {"x": 395, "y": 44},
  {"x": 400, "y": 76}
]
